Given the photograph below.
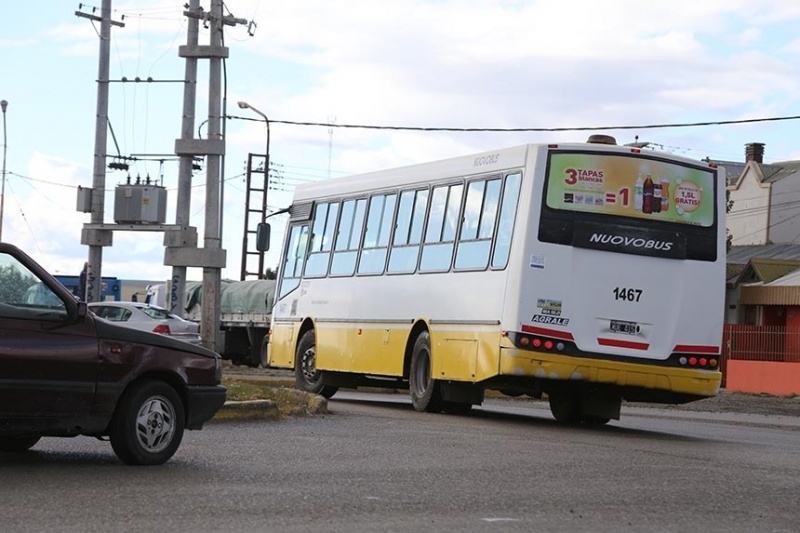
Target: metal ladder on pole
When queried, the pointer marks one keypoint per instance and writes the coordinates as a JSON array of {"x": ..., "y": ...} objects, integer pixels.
[{"x": 255, "y": 212}]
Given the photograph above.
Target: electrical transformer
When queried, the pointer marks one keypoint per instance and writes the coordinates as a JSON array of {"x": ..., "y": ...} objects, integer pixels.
[{"x": 140, "y": 204}]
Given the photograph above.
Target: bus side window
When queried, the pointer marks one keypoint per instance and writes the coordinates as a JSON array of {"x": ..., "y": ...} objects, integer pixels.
[
  {"x": 321, "y": 239},
  {"x": 293, "y": 262},
  {"x": 376, "y": 237},
  {"x": 348, "y": 237},
  {"x": 505, "y": 229},
  {"x": 408, "y": 231},
  {"x": 437, "y": 252},
  {"x": 477, "y": 230}
]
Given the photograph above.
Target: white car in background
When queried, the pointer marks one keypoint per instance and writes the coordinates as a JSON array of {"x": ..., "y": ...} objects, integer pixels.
[{"x": 147, "y": 317}]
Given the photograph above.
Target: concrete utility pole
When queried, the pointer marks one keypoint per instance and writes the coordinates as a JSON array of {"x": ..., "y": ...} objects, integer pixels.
[
  {"x": 4, "y": 105},
  {"x": 211, "y": 238},
  {"x": 187, "y": 237},
  {"x": 97, "y": 238},
  {"x": 180, "y": 251}
]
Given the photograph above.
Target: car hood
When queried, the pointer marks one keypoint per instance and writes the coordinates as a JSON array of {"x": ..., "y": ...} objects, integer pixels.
[{"x": 109, "y": 330}]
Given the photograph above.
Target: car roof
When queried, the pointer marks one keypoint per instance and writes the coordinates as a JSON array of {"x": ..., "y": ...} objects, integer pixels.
[{"x": 138, "y": 305}]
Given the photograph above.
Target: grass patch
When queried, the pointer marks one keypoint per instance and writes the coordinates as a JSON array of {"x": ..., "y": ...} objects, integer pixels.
[{"x": 288, "y": 400}]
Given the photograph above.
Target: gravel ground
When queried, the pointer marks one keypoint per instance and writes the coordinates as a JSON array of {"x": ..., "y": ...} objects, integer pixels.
[
  {"x": 724, "y": 402},
  {"x": 738, "y": 402}
]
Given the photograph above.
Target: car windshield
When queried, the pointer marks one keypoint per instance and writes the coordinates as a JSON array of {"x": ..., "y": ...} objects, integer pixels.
[{"x": 24, "y": 295}]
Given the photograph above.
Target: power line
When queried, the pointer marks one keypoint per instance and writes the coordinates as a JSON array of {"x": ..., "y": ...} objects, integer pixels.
[
  {"x": 759, "y": 230},
  {"x": 531, "y": 129}
]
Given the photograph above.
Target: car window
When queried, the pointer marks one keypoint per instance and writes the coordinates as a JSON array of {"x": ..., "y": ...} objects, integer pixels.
[
  {"x": 24, "y": 296},
  {"x": 115, "y": 314},
  {"x": 155, "y": 312}
]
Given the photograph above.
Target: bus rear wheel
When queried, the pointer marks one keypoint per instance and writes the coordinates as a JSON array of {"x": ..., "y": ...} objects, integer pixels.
[
  {"x": 306, "y": 375},
  {"x": 565, "y": 407},
  {"x": 426, "y": 395}
]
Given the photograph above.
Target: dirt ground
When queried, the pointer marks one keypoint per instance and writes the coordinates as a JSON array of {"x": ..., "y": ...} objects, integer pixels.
[{"x": 724, "y": 402}]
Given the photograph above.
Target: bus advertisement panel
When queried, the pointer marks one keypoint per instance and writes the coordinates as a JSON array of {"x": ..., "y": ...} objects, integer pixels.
[{"x": 631, "y": 187}]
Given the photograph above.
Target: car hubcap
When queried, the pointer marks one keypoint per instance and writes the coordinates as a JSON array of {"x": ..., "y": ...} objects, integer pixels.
[{"x": 155, "y": 424}]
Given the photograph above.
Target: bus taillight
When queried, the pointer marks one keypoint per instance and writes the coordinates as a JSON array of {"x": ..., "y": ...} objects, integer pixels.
[{"x": 698, "y": 362}]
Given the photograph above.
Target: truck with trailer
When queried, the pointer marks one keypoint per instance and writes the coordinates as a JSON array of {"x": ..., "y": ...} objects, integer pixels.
[{"x": 245, "y": 314}]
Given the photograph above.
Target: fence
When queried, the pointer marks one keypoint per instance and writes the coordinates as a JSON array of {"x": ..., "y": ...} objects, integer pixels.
[
  {"x": 761, "y": 358},
  {"x": 777, "y": 344}
]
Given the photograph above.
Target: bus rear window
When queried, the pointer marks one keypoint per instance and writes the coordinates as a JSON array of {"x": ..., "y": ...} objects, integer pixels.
[{"x": 631, "y": 186}]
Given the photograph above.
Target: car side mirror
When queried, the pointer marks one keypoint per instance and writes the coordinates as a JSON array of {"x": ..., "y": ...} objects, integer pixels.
[
  {"x": 81, "y": 310},
  {"x": 262, "y": 236}
]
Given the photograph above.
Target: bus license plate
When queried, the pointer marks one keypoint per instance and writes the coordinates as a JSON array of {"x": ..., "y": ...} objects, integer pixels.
[{"x": 627, "y": 328}]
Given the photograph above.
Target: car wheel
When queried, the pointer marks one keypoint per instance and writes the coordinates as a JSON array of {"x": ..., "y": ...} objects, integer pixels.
[
  {"x": 307, "y": 377},
  {"x": 147, "y": 427},
  {"x": 425, "y": 393},
  {"x": 18, "y": 444}
]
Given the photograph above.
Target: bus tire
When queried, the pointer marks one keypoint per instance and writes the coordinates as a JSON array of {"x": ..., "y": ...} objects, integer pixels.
[
  {"x": 306, "y": 375},
  {"x": 426, "y": 396},
  {"x": 565, "y": 407}
]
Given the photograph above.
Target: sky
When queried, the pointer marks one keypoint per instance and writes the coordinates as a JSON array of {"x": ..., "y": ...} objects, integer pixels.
[{"x": 478, "y": 64}]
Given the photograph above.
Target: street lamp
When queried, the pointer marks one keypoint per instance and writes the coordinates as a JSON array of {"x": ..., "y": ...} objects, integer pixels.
[
  {"x": 4, "y": 105},
  {"x": 245, "y": 105}
]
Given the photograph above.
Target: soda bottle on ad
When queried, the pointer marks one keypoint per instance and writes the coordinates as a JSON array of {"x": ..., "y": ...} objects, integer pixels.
[
  {"x": 664, "y": 194},
  {"x": 637, "y": 193},
  {"x": 656, "y": 196},
  {"x": 647, "y": 195}
]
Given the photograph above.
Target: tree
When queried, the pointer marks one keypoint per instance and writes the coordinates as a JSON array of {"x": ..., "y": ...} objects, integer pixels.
[
  {"x": 270, "y": 273},
  {"x": 13, "y": 285}
]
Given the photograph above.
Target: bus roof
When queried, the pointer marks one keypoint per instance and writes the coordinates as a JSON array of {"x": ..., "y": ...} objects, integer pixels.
[
  {"x": 457, "y": 167},
  {"x": 422, "y": 173}
]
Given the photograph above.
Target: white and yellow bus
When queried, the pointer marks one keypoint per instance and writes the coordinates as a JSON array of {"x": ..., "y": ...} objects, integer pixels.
[{"x": 586, "y": 272}]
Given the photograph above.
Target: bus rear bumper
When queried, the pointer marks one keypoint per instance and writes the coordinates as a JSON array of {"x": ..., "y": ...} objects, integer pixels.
[{"x": 637, "y": 382}]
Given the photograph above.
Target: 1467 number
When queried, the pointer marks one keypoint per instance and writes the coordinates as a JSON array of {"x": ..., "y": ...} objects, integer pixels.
[{"x": 628, "y": 295}]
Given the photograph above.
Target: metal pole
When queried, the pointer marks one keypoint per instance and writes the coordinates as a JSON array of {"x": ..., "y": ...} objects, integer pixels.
[
  {"x": 94, "y": 271},
  {"x": 245, "y": 105},
  {"x": 4, "y": 105}
]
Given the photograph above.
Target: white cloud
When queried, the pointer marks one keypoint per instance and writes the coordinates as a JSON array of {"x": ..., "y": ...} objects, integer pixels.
[{"x": 462, "y": 64}]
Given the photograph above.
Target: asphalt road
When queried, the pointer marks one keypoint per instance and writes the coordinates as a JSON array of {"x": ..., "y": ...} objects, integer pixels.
[{"x": 376, "y": 465}]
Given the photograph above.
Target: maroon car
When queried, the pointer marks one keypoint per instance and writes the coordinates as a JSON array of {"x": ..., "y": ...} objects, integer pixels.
[{"x": 65, "y": 372}]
